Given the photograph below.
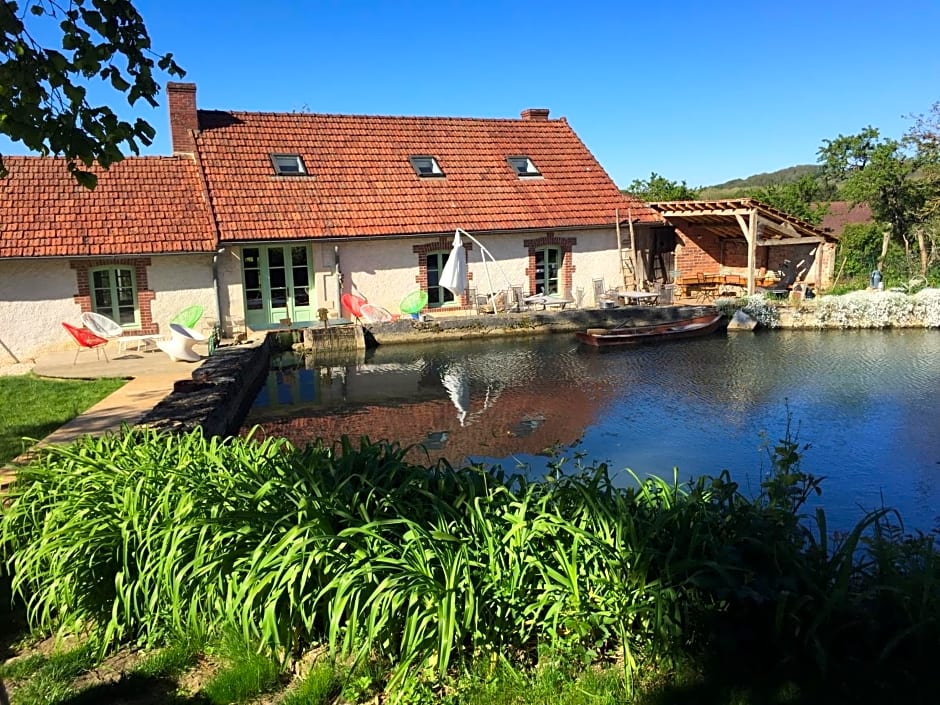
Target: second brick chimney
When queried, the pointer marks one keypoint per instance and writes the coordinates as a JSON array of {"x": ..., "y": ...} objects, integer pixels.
[
  {"x": 184, "y": 124},
  {"x": 535, "y": 114}
]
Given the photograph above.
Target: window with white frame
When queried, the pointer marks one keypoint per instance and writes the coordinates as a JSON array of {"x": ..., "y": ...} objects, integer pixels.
[
  {"x": 288, "y": 165},
  {"x": 426, "y": 166},
  {"x": 523, "y": 166}
]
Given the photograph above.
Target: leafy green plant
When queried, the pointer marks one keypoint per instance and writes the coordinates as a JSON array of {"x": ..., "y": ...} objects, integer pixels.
[
  {"x": 425, "y": 572},
  {"x": 245, "y": 673},
  {"x": 181, "y": 653},
  {"x": 320, "y": 686}
]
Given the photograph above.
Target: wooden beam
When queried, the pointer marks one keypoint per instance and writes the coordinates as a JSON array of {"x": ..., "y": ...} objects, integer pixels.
[
  {"x": 698, "y": 213},
  {"x": 745, "y": 228},
  {"x": 623, "y": 272},
  {"x": 790, "y": 241},
  {"x": 779, "y": 226},
  {"x": 818, "y": 266},
  {"x": 751, "y": 250}
]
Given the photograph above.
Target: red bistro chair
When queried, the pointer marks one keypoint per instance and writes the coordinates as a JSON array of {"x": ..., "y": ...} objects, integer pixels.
[{"x": 86, "y": 339}]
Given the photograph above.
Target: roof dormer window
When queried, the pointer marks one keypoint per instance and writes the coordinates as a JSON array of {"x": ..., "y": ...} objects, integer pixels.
[
  {"x": 523, "y": 166},
  {"x": 288, "y": 165},
  {"x": 426, "y": 167}
]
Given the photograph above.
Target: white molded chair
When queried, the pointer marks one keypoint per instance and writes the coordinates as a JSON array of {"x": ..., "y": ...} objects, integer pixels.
[
  {"x": 179, "y": 347},
  {"x": 101, "y": 325},
  {"x": 105, "y": 327}
]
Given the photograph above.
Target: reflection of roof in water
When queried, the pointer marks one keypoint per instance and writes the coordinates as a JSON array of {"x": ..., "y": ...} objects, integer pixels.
[{"x": 522, "y": 420}]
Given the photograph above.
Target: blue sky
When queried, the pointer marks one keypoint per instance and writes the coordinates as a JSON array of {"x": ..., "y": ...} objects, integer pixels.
[{"x": 695, "y": 91}]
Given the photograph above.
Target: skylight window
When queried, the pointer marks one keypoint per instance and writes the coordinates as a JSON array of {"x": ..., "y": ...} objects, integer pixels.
[
  {"x": 426, "y": 167},
  {"x": 523, "y": 166},
  {"x": 288, "y": 164}
]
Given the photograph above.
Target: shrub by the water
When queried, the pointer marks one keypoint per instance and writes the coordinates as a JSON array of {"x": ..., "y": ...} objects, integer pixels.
[
  {"x": 883, "y": 309},
  {"x": 145, "y": 535}
]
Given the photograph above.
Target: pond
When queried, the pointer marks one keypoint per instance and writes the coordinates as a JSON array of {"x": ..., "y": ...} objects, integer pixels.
[{"x": 867, "y": 403}]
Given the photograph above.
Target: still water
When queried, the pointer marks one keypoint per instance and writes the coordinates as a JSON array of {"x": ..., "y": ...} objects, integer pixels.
[{"x": 867, "y": 403}]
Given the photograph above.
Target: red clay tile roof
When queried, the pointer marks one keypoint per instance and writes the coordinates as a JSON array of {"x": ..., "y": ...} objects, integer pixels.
[
  {"x": 152, "y": 205},
  {"x": 842, "y": 213},
  {"x": 361, "y": 183}
]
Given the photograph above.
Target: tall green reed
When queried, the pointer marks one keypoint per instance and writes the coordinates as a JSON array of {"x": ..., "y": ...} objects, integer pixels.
[{"x": 144, "y": 535}]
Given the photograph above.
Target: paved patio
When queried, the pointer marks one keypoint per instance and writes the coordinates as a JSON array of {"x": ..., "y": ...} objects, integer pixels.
[{"x": 130, "y": 364}]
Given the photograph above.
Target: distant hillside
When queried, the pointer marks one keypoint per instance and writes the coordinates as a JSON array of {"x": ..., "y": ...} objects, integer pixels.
[{"x": 737, "y": 187}]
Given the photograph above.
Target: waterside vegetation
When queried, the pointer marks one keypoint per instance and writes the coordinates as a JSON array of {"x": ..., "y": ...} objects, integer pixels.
[
  {"x": 367, "y": 574},
  {"x": 853, "y": 309}
]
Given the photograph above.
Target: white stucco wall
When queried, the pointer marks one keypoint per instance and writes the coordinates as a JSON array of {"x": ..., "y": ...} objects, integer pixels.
[
  {"x": 596, "y": 257},
  {"x": 35, "y": 297},
  {"x": 385, "y": 271},
  {"x": 179, "y": 281},
  {"x": 230, "y": 290}
]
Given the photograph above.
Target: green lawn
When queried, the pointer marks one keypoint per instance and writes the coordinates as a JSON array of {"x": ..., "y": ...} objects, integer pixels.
[{"x": 33, "y": 407}]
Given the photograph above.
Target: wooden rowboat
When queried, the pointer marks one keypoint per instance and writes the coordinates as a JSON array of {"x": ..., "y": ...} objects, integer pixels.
[{"x": 658, "y": 332}]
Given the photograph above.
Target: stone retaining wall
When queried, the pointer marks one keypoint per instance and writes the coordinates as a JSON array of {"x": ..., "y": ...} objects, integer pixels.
[
  {"x": 522, "y": 324},
  {"x": 219, "y": 395}
]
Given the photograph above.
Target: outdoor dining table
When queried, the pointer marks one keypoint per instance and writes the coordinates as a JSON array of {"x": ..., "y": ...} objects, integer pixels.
[
  {"x": 545, "y": 300},
  {"x": 638, "y": 297}
]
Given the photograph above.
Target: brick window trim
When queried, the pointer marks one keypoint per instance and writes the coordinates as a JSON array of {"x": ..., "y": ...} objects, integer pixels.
[
  {"x": 145, "y": 295},
  {"x": 442, "y": 244},
  {"x": 565, "y": 246}
]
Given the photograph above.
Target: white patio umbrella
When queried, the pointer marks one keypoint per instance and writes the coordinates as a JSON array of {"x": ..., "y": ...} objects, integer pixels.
[
  {"x": 458, "y": 388},
  {"x": 454, "y": 273}
]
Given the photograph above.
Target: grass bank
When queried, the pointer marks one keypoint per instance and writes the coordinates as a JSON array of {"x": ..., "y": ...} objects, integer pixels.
[
  {"x": 441, "y": 584},
  {"x": 33, "y": 407}
]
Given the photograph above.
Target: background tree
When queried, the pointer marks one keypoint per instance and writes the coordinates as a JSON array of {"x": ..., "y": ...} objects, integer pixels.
[
  {"x": 882, "y": 173},
  {"x": 43, "y": 89},
  {"x": 659, "y": 188},
  {"x": 803, "y": 198},
  {"x": 924, "y": 138}
]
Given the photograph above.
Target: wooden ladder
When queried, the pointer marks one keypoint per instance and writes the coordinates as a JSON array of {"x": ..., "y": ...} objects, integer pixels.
[{"x": 629, "y": 273}]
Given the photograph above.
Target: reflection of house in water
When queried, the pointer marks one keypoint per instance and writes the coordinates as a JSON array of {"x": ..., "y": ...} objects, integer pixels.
[{"x": 412, "y": 404}]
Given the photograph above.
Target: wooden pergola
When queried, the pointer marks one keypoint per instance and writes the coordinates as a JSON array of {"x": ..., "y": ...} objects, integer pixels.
[{"x": 758, "y": 224}]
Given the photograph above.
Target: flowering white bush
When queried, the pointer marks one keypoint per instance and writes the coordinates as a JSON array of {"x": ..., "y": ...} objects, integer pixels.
[
  {"x": 879, "y": 309},
  {"x": 755, "y": 305},
  {"x": 928, "y": 300}
]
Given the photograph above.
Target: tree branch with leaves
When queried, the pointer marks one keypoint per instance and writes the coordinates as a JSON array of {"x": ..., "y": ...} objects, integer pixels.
[
  {"x": 659, "y": 188},
  {"x": 883, "y": 173},
  {"x": 44, "y": 89}
]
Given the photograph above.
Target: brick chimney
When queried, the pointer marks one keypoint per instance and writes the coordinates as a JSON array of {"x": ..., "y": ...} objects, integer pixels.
[
  {"x": 535, "y": 114},
  {"x": 184, "y": 124}
]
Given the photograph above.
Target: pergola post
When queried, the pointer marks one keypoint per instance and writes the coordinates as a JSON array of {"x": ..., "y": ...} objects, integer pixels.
[
  {"x": 749, "y": 230},
  {"x": 751, "y": 250}
]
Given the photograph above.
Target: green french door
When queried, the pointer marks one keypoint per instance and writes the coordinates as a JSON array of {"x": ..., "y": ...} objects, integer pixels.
[{"x": 278, "y": 283}]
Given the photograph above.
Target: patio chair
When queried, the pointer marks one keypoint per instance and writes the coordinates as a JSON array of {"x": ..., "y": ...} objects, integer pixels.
[
  {"x": 101, "y": 325},
  {"x": 86, "y": 339},
  {"x": 600, "y": 291},
  {"x": 413, "y": 303},
  {"x": 188, "y": 316},
  {"x": 518, "y": 299},
  {"x": 105, "y": 327},
  {"x": 179, "y": 347}
]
